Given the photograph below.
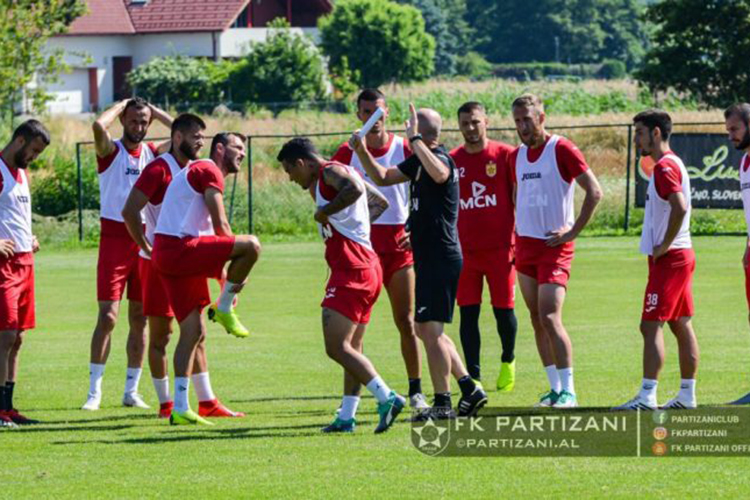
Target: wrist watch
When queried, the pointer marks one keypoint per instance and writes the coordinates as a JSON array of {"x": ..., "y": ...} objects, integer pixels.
[{"x": 415, "y": 138}]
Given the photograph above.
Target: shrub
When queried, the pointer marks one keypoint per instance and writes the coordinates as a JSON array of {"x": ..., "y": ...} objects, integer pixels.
[
  {"x": 612, "y": 69},
  {"x": 55, "y": 192},
  {"x": 473, "y": 65}
]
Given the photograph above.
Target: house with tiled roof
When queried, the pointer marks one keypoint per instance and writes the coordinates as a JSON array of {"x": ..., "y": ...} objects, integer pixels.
[{"x": 119, "y": 35}]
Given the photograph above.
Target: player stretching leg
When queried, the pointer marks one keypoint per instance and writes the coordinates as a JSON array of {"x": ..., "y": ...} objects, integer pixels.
[
  {"x": 671, "y": 263},
  {"x": 192, "y": 242},
  {"x": 17, "y": 247},
  {"x": 737, "y": 119},
  {"x": 486, "y": 223},
  {"x": 120, "y": 162},
  {"x": 147, "y": 196},
  {"x": 346, "y": 205},
  {"x": 545, "y": 168}
]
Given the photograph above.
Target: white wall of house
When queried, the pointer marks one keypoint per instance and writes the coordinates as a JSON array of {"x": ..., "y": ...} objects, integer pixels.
[
  {"x": 146, "y": 47},
  {"x": 71, "y": 93},
  {"x": 235, "y": 41}
]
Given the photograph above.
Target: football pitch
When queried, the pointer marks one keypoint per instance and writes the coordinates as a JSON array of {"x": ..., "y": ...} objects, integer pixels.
[{"x": 283, "y": 380}]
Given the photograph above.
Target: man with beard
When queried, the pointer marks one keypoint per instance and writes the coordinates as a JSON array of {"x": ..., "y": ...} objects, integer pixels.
[
  {"x": 147, "y": 196},
  {"x": 486, "y": 220},
  {"x": 120, "y": 162},
  {"x": 737, "y": 118},
  {"x": 17, "y": 247},
  {"x": 546, "y": 168},
  {"x": 671, "y": 262},
  {"x": 192, "y": 242}
]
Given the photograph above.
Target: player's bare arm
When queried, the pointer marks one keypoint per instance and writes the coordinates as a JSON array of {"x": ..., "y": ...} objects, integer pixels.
[
  {"x": 593, "y": 190},
  {"x": 678, "y": 210},
  {"x": 376, "y": 202},
  {"x": 165, "y": 119},
  {"x": 435, "y": 168},
  {"x": 380, "y": 175},
  {"x": 349, "y": 191},
  {"x": 131, "y": 214},
  {"x": 103, "y": 142},
  {"x": 7, "y": 248},
  {"x": 215, "y": 204}
]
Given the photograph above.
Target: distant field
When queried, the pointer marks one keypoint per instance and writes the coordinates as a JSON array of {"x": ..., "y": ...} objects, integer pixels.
[{"x": 283, "y": 380}]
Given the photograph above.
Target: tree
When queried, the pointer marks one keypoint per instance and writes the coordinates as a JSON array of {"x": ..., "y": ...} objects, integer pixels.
[
  {"x": 382, "y": 40},
  {"x": 285, "y": 69},
  {"x": 706, "y": 57},
  {"x": 25, "y": 27}
]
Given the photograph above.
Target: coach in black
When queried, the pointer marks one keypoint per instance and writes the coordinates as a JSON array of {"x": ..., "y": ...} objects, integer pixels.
[{"x": 437, "y": 253}]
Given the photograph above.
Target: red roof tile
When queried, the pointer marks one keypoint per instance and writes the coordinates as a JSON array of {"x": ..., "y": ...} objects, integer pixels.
[
  {"x": 159, "y": 16},
  {"x": 104, "y": 17}
]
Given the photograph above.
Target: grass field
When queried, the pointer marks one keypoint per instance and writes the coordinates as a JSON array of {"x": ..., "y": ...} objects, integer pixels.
[{"x": 283, "y": 380}]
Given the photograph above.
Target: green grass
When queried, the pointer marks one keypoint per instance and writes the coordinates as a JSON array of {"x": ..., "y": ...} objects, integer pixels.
[{"x": 283, "y": 380}]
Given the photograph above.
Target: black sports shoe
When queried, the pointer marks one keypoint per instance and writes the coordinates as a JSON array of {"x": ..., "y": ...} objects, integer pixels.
[
  {"x": 434, "y": 413},
  {"x": 470, "y": 406}
]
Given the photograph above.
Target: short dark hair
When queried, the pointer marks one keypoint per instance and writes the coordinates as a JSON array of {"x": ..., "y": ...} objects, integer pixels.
[
  {"x": 470, "y": 106},
  {"x": 297, "y": 148},
  {"x": 136, "y": 102},
  {"x": 30, "y": 130},
  {"x": 528, "y": 101},
  {"x": 655, "y": 118},
  {"x": 187, "y": 122},
  {"x": 740, "y": 109},
  {"x": 369, "y": 95},
  {"x": 223, "y": 139}
]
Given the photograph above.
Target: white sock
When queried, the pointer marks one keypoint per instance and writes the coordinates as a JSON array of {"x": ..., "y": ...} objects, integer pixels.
[
  {"x": 648, "y": 388},
  {"x": 687, "y": 389},
  {"x": 162, "y": 389},
  {"x": 566, "y": 379},
  {"x": 224, "y": 304},
  {"x": 181, "y": 386},
  {"x": 348, "y": 407},
  {"x": 96, "y": 372},
  {"x": 378, "y": 389},
  {"x": 553, "y": 377},
  {"x": 132, "y": 379},
  {"x": 202, "y": 385}
]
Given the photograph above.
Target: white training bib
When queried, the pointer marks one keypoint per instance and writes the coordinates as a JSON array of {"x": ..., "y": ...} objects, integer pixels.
[
  {"x": 397, "y": 194},
  {"x": 151, "y": 211},
  {"x": 15, "y": 210},
  {"x": 184, "y": 211},
  {"x": 544, "y": 200},
  {"x": 745, "y": 190},
  {"x": 116, "y": 182},
  {"x": 353, "y": 222},
  {"x": 656, "y": 217}
]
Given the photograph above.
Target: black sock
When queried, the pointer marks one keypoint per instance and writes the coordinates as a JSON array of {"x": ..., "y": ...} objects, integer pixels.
[
  {"x": 443, "y": 400},
  {"x": 9, "y": 394},
  {"x": 470, "y": 341},
  {"x": 415, "y": 386},
  {"x": 467, "y": 385},
  {"x": 3, "y": 398},
  {"x": 507, "y": 327}
]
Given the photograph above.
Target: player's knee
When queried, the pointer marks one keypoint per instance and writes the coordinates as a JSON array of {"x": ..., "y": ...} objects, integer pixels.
[
  {"x": 335, "y": 350},
  {"x": 19, "y": 341},
  {"x": 405, "y": 323},
  {"x": 250, "y": 245},
  {"x": 550, "y": 322},
  {"x": 7, "y": 340},
  {"x": 107, "y": 320}
]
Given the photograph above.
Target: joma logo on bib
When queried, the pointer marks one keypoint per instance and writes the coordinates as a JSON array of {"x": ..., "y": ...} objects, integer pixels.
[
  {"x": 132, "y": 171},
  {"x": 531, "y": 176},
  {"x": 478, "y": 198}
]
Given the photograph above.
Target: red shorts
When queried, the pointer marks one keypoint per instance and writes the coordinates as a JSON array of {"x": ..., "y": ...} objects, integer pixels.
[
  {"x": 353, "y": 292},
  {"x": 185, "y": 264},
  {"x": 155, "y": 302},
  {"x": 545, "y": 264},
  {"x": 117, "y": 267},
  {"x": 16, "y": 295},
  {"x": 496, "y": 265},
  {"x": 669, "y": 294},
  {"x": 385, "y": 240}
]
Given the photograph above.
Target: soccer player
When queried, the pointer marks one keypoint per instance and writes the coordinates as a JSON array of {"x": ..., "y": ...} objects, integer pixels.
[
  {"x": 346, "y": 205},
  {"x": 17, "y": 247},
  {"x": 737, "y": 118},
  {"x": 545, "y": 168},
  {"x": 120, "y": 162},
  {"x": 665, "y": 238},
  {"x": 486, "y": 221},
  {"x": 388, "y": 234},
  {"x": 148, "y": 194},
  {"x": 437, "y": 253},
  {"x": 192, "y": 242}
]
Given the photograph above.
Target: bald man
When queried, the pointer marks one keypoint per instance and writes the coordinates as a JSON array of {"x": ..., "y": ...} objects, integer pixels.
[{"x": 433, "y": 214}]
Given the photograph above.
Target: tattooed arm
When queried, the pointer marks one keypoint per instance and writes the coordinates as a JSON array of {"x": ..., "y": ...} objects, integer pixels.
[
  {"x": 376, "y": 202},
  {"x": 349, "y": 190}
]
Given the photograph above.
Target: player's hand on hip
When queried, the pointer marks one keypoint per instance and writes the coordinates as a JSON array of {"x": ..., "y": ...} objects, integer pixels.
[
  {"x": 559, "y": 237},
  {"x": 659, "y": 251},
  {"x": 412, "y": 124},
  {"x": 7, "y": 248},
  {"x": 34, "y": 244},
  {"x": 321, "y": 217},
  {"x": 404, "y": 242}
]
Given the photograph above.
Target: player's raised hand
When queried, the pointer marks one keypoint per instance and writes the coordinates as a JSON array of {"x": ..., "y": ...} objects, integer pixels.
[
  {"x": 559, "y": 237},
  {"x": 412, "y": 124},
  {"x": 7, "y": 248}
]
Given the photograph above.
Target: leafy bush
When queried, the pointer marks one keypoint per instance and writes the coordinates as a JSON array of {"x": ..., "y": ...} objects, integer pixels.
[
  {"x": 612, "y": 69},
  {"x": 473, "y": 65},
  {"x": 539, "y": 71},
  {"x": 55, "y": 192}
]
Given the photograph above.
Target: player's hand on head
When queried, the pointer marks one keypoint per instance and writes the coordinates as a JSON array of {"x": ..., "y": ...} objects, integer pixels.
[
  {"x": 412, "y": 124},
  {"x": 321, "y": 217},
  {"x": 7, "y": 248}
]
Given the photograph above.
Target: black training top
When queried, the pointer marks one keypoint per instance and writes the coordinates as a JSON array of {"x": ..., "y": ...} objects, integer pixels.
[{"x": 433, "y": 210}]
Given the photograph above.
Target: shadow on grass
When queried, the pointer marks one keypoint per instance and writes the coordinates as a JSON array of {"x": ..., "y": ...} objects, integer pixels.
[
  {"x": 111, "y": 418},
  {"x": 286, "y": 398},
  {"x": 38, "y": 428}
]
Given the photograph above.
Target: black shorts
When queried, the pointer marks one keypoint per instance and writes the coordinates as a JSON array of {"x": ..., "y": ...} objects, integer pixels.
[{"x": 436, "y": 286}]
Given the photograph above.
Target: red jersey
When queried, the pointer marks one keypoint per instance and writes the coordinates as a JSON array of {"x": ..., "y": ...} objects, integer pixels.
[{"x": 486, "y": 218}]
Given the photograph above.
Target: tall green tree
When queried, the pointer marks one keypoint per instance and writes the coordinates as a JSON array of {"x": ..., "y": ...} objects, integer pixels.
[
  {"x": 381, "y": 40},
  {"x": 25, "y": 28},
  {"x": 705, "y": 57}
]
